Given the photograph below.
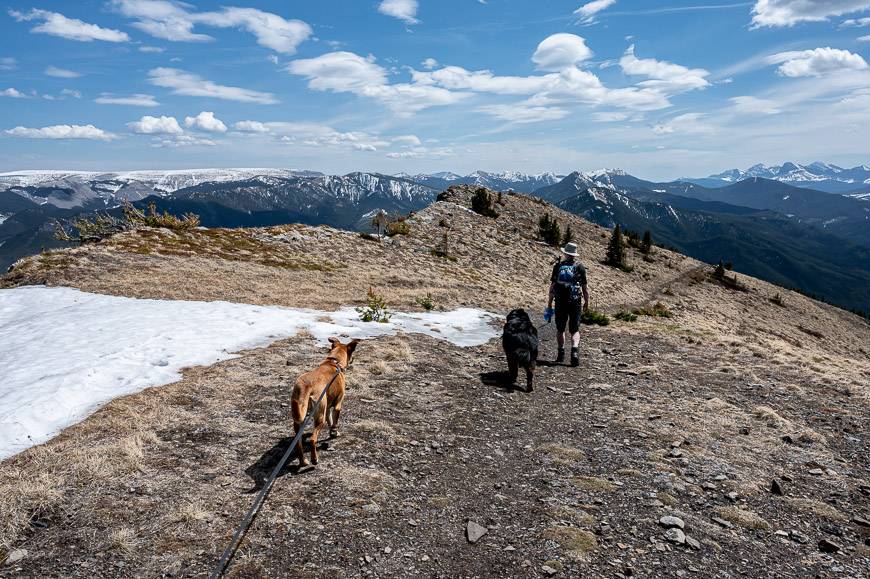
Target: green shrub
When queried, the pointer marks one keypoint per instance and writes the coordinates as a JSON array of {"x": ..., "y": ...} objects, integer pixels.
[
  {"x": 777, "y": 299},
  {"x": 657, "y": 310},
  {"x": 398, "y": 227},
  {"x": 593, "y": 317},
  {"x": 625, "y": 316},
  {"x": 426, "y": 302},
  {"x": 153, "y": 218},
  {"x": 375, "y": 309},
  {"x": 104, "y": 225}
]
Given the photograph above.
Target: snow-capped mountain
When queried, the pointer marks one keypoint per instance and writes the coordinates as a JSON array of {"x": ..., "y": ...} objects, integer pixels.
[
  {"x": 820, "y": 176},
  {"x": 513, "y": 180}
]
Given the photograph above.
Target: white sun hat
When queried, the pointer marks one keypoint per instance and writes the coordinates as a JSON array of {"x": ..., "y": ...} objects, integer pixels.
[{"x": 570, "y": 249}]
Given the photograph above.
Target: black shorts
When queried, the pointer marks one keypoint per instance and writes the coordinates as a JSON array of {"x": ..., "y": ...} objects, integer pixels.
[{"x": 568, "y": 313}]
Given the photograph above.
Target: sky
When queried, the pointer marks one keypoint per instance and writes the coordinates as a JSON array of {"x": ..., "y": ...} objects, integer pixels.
[{"x": 662, "y": 89}]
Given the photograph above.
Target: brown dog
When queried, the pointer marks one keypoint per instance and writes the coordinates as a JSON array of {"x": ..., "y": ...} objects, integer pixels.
[{"x": 309, "y": 387}]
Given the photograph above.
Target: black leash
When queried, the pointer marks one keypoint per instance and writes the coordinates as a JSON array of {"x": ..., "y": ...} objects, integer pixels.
[{"x": 261, "y": 498}]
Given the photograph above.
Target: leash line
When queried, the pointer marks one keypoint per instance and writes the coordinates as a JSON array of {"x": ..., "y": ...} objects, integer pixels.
[{"x": 267, "y": 487}]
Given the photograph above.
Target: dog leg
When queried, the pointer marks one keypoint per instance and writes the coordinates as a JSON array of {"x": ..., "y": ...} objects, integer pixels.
[
  {"x": 530, "y": 376},
  {"x": 333, "y": 428},
  {"x": 513, "y": 368},
  {"x": 319, "y": 420},
  {"x": 299, "y": 410}
]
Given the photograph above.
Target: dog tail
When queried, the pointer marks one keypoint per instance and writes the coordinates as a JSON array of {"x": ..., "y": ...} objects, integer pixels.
[{"x": 524, "y": 356}]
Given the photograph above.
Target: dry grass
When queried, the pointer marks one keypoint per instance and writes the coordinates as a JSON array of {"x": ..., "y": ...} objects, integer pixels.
[
  {"x": 742, "y": 517},
  {"x": 577, "y": 516},
  {"x": 818, "y": 508},
  {"x": 577, "y": 543},
  {"x": 378, "y": 368},
  {"x": 122, "y": 540},
  {"x": 401, "y": 352},
  {"x": 563, "y": 453},
  {"x": 374, "y": 427}
]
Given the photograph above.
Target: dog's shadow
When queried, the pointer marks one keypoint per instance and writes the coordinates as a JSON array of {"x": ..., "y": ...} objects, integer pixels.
[
  {"x": 262, "y": 469},
  {"x": 501, "y": 380}
]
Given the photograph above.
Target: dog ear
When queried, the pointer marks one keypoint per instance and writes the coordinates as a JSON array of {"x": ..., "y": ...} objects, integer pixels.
[
  {"x": 333, "y": 342},
  {"x": 351, "y": 347}
]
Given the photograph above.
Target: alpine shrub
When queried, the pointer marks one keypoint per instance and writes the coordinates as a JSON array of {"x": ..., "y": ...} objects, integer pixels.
[
  {"x": 594, "y": 317},
  {"x": 616, "y": 251},
  {"x": 481, "y": 203},
  {"x": 375, "y": 309},
  {"x": 625, "y": 316}
]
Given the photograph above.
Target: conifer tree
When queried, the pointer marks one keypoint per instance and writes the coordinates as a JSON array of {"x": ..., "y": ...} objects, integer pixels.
[
  {"x": 646, "y": 242},
  {"x": 616, "y": 249},
  {"x": 481, "y": 203},
  {"x": 549, "y": 231},
  {"x": 568, "y": 236}
]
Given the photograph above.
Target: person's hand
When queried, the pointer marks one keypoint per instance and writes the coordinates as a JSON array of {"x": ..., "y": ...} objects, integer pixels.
[
  {"x": 586, "y": 307},
  {"x": 548, "y": 314}
]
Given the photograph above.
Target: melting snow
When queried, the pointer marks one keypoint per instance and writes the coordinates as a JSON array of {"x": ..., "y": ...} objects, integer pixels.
[{"x": 65, "y": 353}]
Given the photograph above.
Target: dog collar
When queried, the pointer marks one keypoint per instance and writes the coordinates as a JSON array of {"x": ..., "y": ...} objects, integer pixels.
[{"x": 335, "y": 362}]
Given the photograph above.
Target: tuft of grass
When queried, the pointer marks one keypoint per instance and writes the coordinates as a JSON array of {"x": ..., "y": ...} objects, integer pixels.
[
  {"x": 742, "y": 517},
  {"x": 378, "y": 368},
  {"x": 122, "y": 540},
  {"x": 624, "y": 316},
  {"x": 818, "y": 508},
  {"x": 657, "y": 310},
  {"x": 401, "y": 352},
  {"x": 577, "y": 543},
  {"x": 562, "y": 452}
]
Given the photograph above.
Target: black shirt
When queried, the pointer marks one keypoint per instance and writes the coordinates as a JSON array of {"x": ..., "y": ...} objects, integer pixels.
[{"x": 579, "y": 272}]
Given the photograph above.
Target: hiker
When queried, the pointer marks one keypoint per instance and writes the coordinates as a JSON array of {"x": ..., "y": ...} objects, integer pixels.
[{"x": 567, "y": 284}]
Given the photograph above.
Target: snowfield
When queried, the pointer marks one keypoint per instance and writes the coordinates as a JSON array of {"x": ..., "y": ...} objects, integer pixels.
[{"x": 64, "y": 352}]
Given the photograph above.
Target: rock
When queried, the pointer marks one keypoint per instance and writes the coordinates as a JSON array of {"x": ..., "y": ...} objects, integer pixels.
[
  {"x": 675, "y": 535},
  {"x": 816, "y": 472},
  {"x": 548, "y": 571},
  {"x": 388, "y": 550},
  {"x": 16, "y": 555},
  {"x": 676, "y": 452},
  {"x": 693, "y": 543},
  {"x": 861, "y": 522},
  {"x": 826, "y": 546},
  {"x": 424, "y": 558},
  {"x": 721, "y": 522},
  {"x": 776, "y": 488},
  {"x": 474, "y": 532},
  {"x": 798, "y": 537},
  {"x": 669, "y": 521}
]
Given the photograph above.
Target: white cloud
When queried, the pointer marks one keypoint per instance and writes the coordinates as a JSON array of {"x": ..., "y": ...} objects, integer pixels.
[
  {"x": 205, "y": 121},
  {"x": 161, "y": 125},
  {"x": 151, "y": 49},
  {"x": 588, "y": 11},
  {"x": 864, "y": 38},
  {"x": 348, "y": 72},
  {"x": 273, "y": 59},
  {"x": 56, "y": 24},
  {"x": 560, "y": 51},
  {"x": 12, "y": 93},
  {"x": 135, "y": 100},
  {"x": 689, "y": 123},
  {"x": 666, "y": 77},
  {"x": 89, "y": 132},
  {"x": 8, "y": 63},
  {"x": 71, "y": 93},
  {"x": 173, "y": 21},
  {"x": 751, "y": 105},
  {"x": 175, "y": 141},
  {"x": 610, "y": 116},
  {"x": 251, "y": 127},
  {"x": 523, "y": 113},
  {"x": 413, "y": 140},
  {"x": 187, "y": 84},
  {"x": 817, "y": 62},
  {"x": 855, "y": 22},
  {"x": 458, "y": 78},
  {"x": 61, "y": 72},
  {"x": 402, "y": 9},
  {"x": 790, "y": 12},
  {"x": 429, "y": 63}
]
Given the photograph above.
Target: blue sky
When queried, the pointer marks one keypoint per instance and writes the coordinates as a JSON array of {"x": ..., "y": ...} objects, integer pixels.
[{"x": 662, "y": 89}]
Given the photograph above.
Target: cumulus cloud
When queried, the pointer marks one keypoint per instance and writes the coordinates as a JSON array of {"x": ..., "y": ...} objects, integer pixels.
[
  {"x": 405, "y": 10},
  {"x": 864, "y": 38},
  {"x": 524, "y": 113},
  {"x": 666, "y": 77},
  {"x": 775, "y": 13},
  {"x": 56, "y": 24},
  {"x": 348, "y": 72},
  {"x": 429, "y": 63},
  {"x": 561, "y": 51},
  {"x": 161, "y": 125},
  {"x": 135, "y": 100},
  {"x": 751, "y": 105},
  {"x": 89, "y": 132},
  {"x": 173, "y": 21},
  {"x": 856, "y": 22},
  {"x": 817, "y": 62},
  {"x": 588, "y": 11},
  {"x": 187, "y": 84},
  {"x": 312, "y": 135},
  {"x": 61, "y": 72},
  {"x": 251, "y": 127},
  {"x": 12, "y": 92},
  {"x": 205, "y": 121}
]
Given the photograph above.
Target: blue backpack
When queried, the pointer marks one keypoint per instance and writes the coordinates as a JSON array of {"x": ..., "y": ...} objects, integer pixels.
[{"x": 566, "y": 285}]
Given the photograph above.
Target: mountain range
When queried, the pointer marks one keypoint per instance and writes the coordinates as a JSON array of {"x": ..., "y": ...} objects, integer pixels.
[
  {"x": 819, "y": 176},
  {"x": 794, "y": 236}
]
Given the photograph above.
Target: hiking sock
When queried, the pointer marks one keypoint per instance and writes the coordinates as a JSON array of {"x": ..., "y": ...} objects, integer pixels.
[
  {"x": 575, "y": 357},
  {"x": 560, "y": 356}
]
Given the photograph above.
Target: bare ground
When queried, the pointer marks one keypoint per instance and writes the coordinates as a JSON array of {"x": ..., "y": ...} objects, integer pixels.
[{"x": 691, "y": 416}]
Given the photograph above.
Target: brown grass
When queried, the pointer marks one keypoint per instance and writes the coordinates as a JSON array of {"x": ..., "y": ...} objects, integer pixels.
[
  {"x": 577, "y": 543},
  {"x": 742, "y": 517},
  {"x": 593, "y": 484}
]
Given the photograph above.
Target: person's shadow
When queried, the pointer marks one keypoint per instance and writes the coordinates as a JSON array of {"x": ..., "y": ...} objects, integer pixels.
[{"x": 261, "y": 470}]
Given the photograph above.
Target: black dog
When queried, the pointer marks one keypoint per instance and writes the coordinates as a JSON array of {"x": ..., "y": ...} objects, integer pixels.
[{"x": 520, "y": 341}]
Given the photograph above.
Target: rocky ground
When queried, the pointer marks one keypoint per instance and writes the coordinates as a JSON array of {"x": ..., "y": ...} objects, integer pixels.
[{"x": 657, "y": 457}]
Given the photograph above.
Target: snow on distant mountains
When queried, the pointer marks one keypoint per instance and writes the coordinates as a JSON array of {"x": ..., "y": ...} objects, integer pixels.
[
  {"x": 820, "y": 176},
  {"x": 516, "y": 181}
]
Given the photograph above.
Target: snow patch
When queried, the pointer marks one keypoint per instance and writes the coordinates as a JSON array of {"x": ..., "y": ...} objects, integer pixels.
[{"x": 66, "y": 352}]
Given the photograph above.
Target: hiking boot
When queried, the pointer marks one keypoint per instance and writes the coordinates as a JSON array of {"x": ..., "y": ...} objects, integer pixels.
[
  {"x": 560, "y": 356},
  {"x": 575, "y": 357}
]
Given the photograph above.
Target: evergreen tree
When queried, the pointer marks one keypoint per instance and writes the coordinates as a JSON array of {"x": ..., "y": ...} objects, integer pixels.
[
  {"x": 549, "y": 231},
  {"x": 568, "y": 236},
  {"x": 720, "y": 271},
  {"x": 646, "y": 243},
  {"x": 616, "y": 249}
]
